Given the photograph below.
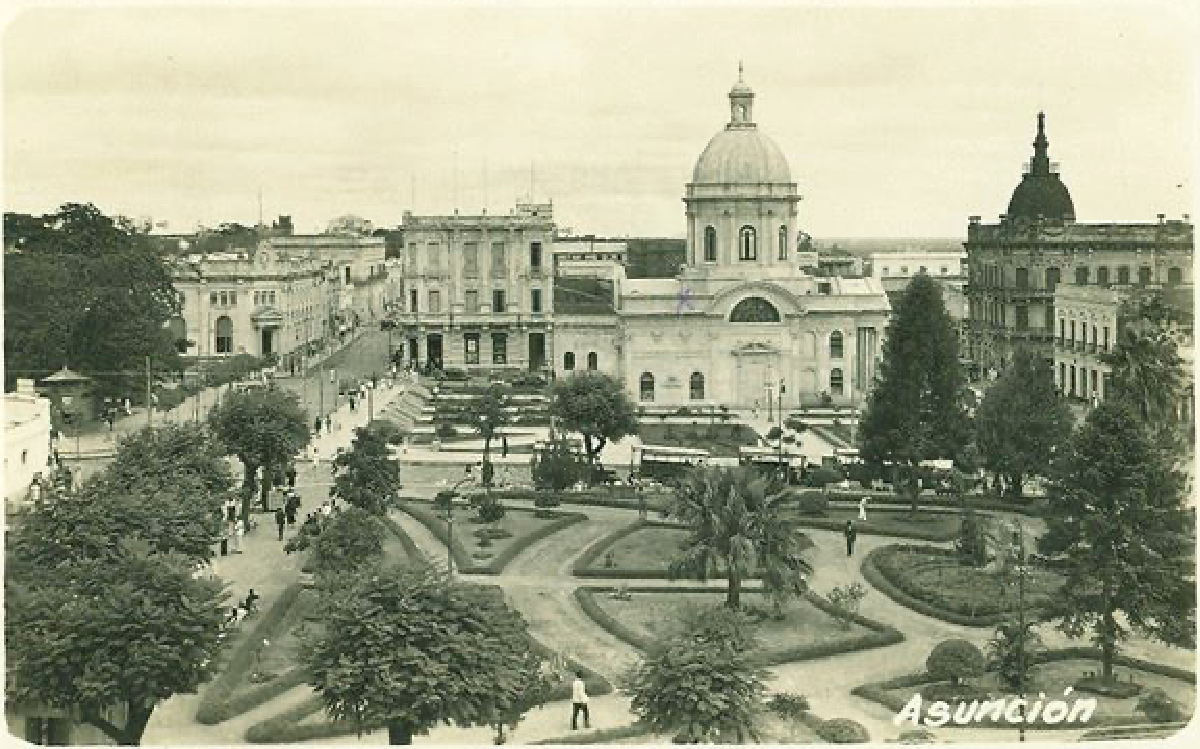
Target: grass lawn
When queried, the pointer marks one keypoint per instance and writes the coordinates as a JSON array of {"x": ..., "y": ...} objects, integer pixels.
[
  {"x": 1053, "y": 677},
  {"x": 721, "y": 440},
  {"x": 649, "y": 550},
  {"x": 655, "y": 614},
  {"x": 941, "y": 581},
  {"x": 930, "y": 525}
]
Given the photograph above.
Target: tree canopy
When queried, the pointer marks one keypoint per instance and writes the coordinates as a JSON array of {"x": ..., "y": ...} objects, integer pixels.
[
  {"x": 735, "y": 528},
  {"x": 410, "y": 651},
  {"x": 595, "y": 405},
  {"x": 1118, "y": 521},
  {"x": 916, "y": 410},
  {"x": 366, "y": 476},
  {"x": 490, "y": 414},
  {"x": 1147, "y": 370},
  {"x": 88, "y": 291},
  {"x": 263, "y": 427},
  {"x": 1022, "y": 422},
  {"x": 701, "y": 683},
  {"x": 349, "y": 540}
]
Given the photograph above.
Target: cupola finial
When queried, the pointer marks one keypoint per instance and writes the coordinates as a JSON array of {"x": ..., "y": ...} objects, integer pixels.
[{"x": 740, "y": 72}]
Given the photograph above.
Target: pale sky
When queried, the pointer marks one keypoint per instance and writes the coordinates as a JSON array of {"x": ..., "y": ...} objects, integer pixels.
[{"x": 896, "y": 121}]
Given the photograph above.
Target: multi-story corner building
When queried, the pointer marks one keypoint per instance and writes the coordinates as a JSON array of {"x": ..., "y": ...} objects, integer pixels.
[
  {"x": 263, "y": 302},
  {"x": 480, "y": 289},
  {"x": 1016, "y": 264},
  {"x": 1090, "y": 319}
]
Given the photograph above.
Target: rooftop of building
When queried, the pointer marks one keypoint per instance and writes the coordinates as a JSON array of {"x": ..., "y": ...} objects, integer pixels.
[{"x": 1049, "y": 232}]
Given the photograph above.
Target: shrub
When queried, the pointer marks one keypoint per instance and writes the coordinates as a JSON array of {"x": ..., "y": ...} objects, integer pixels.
[
  {"x": 970, "y": 544},
  {"x": 846, "y": 600},
  {"x": 954, "y": 661},
  {"x": 916, "y": 736},
  {"x": 445, "y": 431},
  {"x": 843, "y": 731},
  {"x": 774, "y": 433},
  {"x": 1158, "y": 707},
  {"x": 812, "y": 503},
  {"x": 493, "y": 533},
  {"x": 491, "y": 511},
  {"x": 787, "y": 705},
  {"x": 1120, "y": 690}
]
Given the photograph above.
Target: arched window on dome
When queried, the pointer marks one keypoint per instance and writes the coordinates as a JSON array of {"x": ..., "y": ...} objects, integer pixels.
[
  {"x": 836, "y": 348},
  {"x": 696, "y": 386},
  {"x": 646, "y": 386},
  {"x": 754, "y": 309},
  {"x": 747, "y": 244},
  {"x": 783, "y": 249},
  {"x": 710, "y": 244}
]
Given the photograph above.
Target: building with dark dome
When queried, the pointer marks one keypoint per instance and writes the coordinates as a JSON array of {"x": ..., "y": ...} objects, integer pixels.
[{"x": 1016, "y": 265}]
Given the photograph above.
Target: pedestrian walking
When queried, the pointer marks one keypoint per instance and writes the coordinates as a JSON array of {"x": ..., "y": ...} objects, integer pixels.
[
  {"x": 237, "y": 530},
  {"x": 643, "y": 509},
  {"x": 280, "y": 521},
  {"x": 579, "y": 702},
  {"x": 504, "y": 445},
  {"x": 328, "y": 423},
  {"x": 291, "y": 477},
  {"x": 291, "y": 506},
  {"x": 230, "y": 510},
  {"x": 862, "y": 509},
  {"x": 317, "y": 426},
  {"x": 851, "y": 533},
  {"x": 353, "y": 401}
]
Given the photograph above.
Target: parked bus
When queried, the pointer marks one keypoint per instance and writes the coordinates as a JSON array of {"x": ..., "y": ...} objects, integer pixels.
[
  {"x": 785, "y": 464},
  {"x": 667, "y": 464}
]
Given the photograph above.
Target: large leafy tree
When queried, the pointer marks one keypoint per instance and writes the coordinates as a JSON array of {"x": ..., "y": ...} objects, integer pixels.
[
  {"x": 1146, "y": 367},
  {"x": 490, "y": 414},
  {"x": 410, "y": 651},
  {"x": 126, "y": 632},
  {"x": 1022, "y": 422},
  {"x": 735, "y": 526},
  {"x": 86, "y": 290},
  {"x": 1118, "y": 520},
  {"x": 366, "y": 476},
  {"x": 702, "y": 683},
  {"x": 265, "y": 428},
  {"x": 917, "y": 408},
  {"x": 595, "y": 405}
]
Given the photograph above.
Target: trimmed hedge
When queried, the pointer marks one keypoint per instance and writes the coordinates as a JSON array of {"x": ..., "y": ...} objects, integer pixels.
[
  {"x": 625, "y": 499},
  {"x": 880, "y": 692},
  {"x": 218, "y": 705},
  {"x": 601, "y": 736},
  {"x": 465, "y": 562},
  {"x": 881, "y": 635},
  {"x": 865, "y": 529},
  {"x": 1035, "y": 507},
  {"x": 881, "y": 582},
  {"x": 410, "y": 547}
]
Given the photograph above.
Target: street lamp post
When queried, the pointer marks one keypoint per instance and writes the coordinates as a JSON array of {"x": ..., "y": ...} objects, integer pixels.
[
  {"x": 450, "y": 523},
  {"x": 779, "y": 441},
  {"x": 770, "y": 400}
]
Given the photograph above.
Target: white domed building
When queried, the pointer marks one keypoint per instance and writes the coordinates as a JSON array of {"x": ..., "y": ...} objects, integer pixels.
[{"x": 741, "y": 315}]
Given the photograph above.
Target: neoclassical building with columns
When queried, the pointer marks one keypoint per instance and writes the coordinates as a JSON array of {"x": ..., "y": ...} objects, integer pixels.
[{"x": 741, "y": 317}]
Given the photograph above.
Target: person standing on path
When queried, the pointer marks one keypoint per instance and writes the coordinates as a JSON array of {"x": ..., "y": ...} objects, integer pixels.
[
  {"x": 317, "y": 426},
  {"x": 280, "y": 521},
  {"x": 862, "y": 509},
  {"x": 579, "y": 702},
  {"x": 328, "y": 423},
  {"x": 851, "y": 534}
]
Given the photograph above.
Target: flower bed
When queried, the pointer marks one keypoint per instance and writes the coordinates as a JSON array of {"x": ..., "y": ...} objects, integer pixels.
[
  {"x": 811, "y": 629},
  {"x": 1052, "y": 673},
  {"x": 931, "y": 581},
  {"x": 641, "y": 551},
  {"x": 524, "y": 525}
]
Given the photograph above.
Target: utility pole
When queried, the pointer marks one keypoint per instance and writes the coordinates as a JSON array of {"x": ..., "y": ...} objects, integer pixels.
[{"x": 149, "y": 397}]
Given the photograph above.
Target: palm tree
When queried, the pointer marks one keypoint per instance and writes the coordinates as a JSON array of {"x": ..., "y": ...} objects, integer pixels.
[{"x": 734, "y": 524}]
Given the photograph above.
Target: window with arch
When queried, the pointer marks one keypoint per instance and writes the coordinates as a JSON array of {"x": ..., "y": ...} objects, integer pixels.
[
  {"x": 747, "y": 244},
  {"x": 1081, "y": 275},
  {"x": 696, "y": 386},
  {"x": 646, "y": 387},
  {"x": 783, "y": 248},
  {"x": 836, "y": 381},
  {"x": 569, "y": 360},
  {"x": 835, "y": 345},
  {"x": 1123, "y": 274},
  {"x": 1144, "y": 275},
  {"x": 1174, "y": 276},
  {"x": 224, "y": 335},
  {"x": 1053, "y": 276},
  {"x": 593, "y": 361},
  {"x": 710, "y": 244},
  {"x": 1102, "y": 275},
  {"x": 754, "y": 309}
]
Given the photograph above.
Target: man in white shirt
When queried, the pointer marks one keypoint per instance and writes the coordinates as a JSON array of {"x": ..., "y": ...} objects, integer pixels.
[{"x": 579, "y": 702}]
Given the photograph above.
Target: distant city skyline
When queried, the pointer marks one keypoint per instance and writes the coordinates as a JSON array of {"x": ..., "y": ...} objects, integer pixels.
[{"x": 897, "y": 122}]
